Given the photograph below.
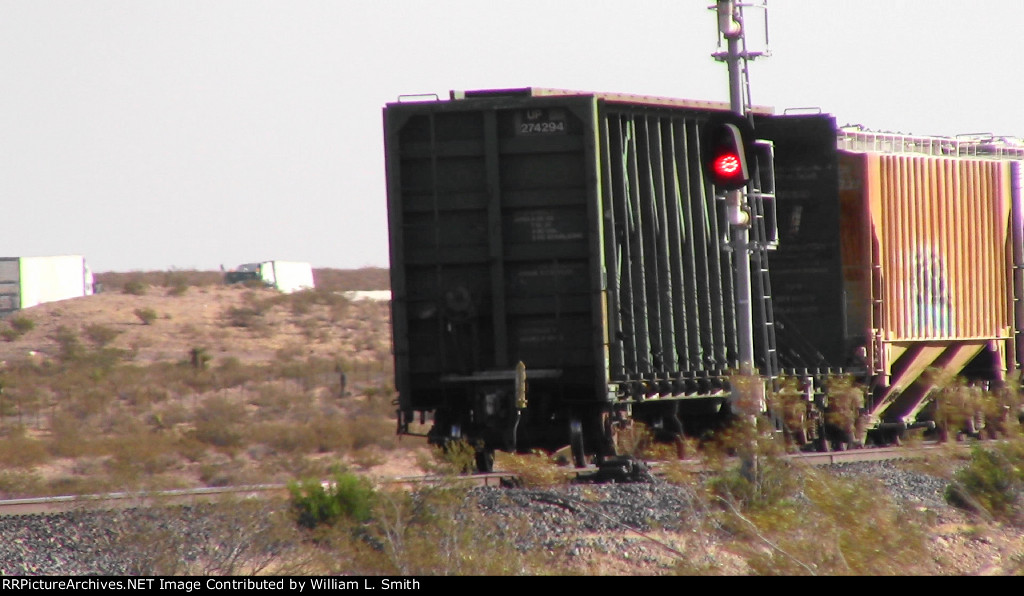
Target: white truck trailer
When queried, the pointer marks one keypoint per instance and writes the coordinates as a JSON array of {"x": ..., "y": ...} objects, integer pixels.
[
  {"x": 285, "y": 276},
  {"x": 29, "y": 281}
]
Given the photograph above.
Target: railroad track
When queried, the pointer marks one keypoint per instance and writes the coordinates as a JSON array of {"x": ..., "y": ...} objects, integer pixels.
[
  {"x": 185, "y": 496},
  {"x": 59, "y": 504},
  {"x": 189, "y": 496}
]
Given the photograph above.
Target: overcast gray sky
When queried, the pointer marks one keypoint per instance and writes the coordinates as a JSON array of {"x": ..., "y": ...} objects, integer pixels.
[{"x": 153, "y": 134}]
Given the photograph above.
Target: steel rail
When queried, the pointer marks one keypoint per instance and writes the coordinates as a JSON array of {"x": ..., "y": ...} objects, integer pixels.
[{"x": 116, "y": 500}]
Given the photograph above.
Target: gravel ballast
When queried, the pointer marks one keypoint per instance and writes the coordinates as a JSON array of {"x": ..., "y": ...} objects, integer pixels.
[{"x": 578, "y": 519}]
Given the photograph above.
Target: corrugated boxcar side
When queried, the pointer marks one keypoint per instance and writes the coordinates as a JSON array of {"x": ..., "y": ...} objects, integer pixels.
[{"x": 671, "y": 300}]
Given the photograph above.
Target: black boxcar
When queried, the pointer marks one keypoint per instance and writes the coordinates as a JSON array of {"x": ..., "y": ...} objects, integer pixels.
[{"x": 563, "y": 241}]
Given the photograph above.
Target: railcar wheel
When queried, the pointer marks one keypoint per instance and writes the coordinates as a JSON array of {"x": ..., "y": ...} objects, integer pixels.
[
  {"x": 681, "y": 450},
  {"x": 485, "y": 461},
  {"x": 610, "y": 429},
  {"x": 579, "y": 457},
  {"x": 821, "y": 441},
  {"x": 843, "y": 440},
  {"x": 888, "y": 438}
]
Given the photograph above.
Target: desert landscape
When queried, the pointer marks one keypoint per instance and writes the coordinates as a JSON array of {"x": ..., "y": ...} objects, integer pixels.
[{"x": 174, "y": 379}]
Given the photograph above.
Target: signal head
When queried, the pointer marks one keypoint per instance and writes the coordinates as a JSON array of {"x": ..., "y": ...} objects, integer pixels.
[{"x": 726, "y": 154}]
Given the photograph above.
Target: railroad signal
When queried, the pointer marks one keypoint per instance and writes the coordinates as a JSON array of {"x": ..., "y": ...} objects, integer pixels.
[{"x": 726, "y": 156}]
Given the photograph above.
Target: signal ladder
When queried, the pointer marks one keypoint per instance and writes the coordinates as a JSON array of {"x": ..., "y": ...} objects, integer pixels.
[{"x": 763, "y": 238}]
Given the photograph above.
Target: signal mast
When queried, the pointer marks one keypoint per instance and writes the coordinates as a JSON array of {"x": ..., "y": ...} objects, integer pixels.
[
  {"x": 727, "y": 164},
  {"x": 728, "y": 168}
]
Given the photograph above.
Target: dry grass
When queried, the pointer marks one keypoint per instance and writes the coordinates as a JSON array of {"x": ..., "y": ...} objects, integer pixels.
[
  {"x": 235, "y": 385},
  {"x": 333, "y": 280},
  {"x": 215, "y": 384}
]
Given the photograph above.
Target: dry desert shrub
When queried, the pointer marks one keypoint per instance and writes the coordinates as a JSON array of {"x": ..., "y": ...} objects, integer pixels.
[
  {"x": 359, "y": 529},
  {"x": 134, "y": 287},
  {"x": 174, "y": 278},
  {"x": 283, "y": 437},
  {"x": 992, "y": 483},
  {"x": 16, "y": 327},
  {"x": 21, "y": 452},
  {"x": 241, "y": 538},
  {"x": 81, "y": 390},
  {"x": 101, "y": 335},
  {"x": 534, "y": 470},
  {"x": 806, "y": 522},
  {"x": 146, "y": 315},
  {"x": 140, "y": 454},
  {"x": 220, "y": 422}
]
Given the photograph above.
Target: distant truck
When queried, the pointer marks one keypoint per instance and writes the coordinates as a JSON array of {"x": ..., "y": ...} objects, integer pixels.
[
  {"x": 29, "y": 281},
  {"x": 285, "y": 276}
]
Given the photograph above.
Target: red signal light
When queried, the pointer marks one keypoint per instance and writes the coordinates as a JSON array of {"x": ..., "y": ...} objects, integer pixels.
[
  {"x": 727, "y": 165},
  {"x": 727, "y": 160}
]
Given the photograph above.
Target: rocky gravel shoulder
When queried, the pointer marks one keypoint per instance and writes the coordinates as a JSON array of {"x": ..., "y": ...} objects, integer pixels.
[
  {"x": 648, "y": 528},
  {"x": 660, "y": 528}
]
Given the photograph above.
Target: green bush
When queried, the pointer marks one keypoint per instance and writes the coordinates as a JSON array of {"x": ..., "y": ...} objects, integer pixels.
[
  {"x": 101, "y": 335},
  {"x": 992, "y": 484},
  {"x": 22, "y": 324},
  {"x": 16, "y": 327},
  {"x": 348, "y": 496},
  {"x": 146, "y": 315},
  {"x": 70, "y": 345},
  {"x": 774, "y": 482},
  {"x": 134, "y": 287},
  {"x": 245, "y": 316}
]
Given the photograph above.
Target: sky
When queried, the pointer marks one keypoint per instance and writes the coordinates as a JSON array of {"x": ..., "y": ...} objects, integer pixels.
[{"x": 151, "y": 135}]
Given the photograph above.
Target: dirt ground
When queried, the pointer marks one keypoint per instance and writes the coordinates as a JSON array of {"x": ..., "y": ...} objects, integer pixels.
[
  {"x": 198, "y": 317},
  {"x": 356, "y": 333},
  {"x": 361, "y": 332}
]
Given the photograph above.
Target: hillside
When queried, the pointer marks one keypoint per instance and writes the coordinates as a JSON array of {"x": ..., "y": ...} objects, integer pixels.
[
  {"x": 173, "y": 380},
  {"x": 236, "y": 321}
]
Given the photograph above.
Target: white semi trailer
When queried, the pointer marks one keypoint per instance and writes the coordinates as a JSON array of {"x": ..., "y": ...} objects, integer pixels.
[
  {"x": 29, "y": 281},
  {"x": 285, "y": 276}
]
